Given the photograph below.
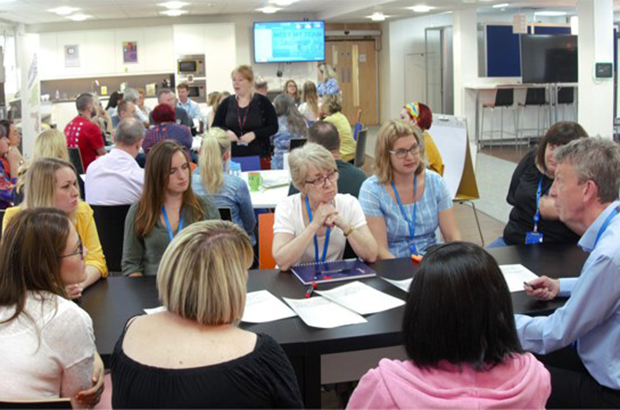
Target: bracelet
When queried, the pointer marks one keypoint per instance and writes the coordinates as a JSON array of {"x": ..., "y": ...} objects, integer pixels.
[{"x": 349, "y": 231}]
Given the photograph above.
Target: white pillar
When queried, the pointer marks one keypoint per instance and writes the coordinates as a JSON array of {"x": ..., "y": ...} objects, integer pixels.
[
  {"x": 30, "y": 86},
  {"x": 595, "y": 44},
  {"x": 465, "y": 55}
]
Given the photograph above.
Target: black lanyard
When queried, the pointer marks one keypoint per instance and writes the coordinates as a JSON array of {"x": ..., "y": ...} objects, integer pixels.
[{"x": 240, "y": 121}]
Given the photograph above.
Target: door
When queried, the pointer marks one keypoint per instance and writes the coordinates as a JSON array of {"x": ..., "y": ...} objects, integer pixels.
[{"x": 355, "y": 63}]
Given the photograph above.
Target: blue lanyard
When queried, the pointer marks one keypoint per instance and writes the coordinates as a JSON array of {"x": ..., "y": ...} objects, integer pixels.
[
  {"x": 538, "y": 195},
  {"x": 170, "y": 234},
  {"x": 606, "y": 224},
  {"x": 316, "y": 241},
  {"x": 410, "y": 222}
]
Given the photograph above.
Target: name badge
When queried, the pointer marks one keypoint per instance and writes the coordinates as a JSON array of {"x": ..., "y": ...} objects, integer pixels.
[
  {"x": 413, "y": 249},
  {"x": 533, "y": 238}
]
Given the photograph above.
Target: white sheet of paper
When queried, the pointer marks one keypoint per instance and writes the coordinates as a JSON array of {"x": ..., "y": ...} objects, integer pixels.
[
  {"x": 323, "y": 313},
  {"x": 515, "y": 275},
  {"x": 361, "y": 298},
  {"x": 262, "y": 306},
  {"x": 150, "y": 311},
  {"x": 404, "y": 284}
]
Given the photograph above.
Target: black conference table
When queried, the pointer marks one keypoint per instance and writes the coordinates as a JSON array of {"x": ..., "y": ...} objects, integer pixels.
[{"x": 112, "y": 302}]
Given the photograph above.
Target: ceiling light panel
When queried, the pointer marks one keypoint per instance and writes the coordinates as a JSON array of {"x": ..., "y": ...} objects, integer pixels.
[
  {"x": 64, "y": 11},
  {"x": 269, "y": 10},
  {"x": 500, "y": 6},
  {"x": 174, "y": 5},
  {"x": 174, "y": 12},
  {"x": 421, "y": 8},
  {"x": 79, "y": 17}
]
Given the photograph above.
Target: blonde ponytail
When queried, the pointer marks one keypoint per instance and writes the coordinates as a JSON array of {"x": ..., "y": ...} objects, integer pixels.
[{"x": 215, "y": 143}]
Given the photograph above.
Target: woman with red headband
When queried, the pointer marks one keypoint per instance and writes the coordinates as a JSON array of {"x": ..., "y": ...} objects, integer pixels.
[{"x": 421, "y": 116}]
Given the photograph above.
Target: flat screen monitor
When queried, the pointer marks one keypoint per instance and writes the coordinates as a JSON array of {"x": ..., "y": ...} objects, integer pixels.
[
  {"x": 549, "y": 58},
  {"x": 289, "y": 41}
]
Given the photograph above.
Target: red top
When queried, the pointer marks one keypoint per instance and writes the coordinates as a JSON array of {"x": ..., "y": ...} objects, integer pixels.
[{"x": 85, "y": 135}]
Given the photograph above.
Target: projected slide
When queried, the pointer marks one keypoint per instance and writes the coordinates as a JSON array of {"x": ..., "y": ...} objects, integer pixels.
[{"x": 289, "y": 41}]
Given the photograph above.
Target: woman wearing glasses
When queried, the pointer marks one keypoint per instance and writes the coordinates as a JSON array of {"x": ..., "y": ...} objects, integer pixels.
[
  {"x": 404, "y": 202},
  {"x": 314, "y": 225},
  {"x": 52, "y": 183},
  {"x": 47, "y": 348}
]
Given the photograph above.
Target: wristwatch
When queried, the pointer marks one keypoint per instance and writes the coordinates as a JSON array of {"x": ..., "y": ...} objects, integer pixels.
[{"x": 349, "y": 231}]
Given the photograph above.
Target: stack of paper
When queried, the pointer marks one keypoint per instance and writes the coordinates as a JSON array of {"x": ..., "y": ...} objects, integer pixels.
[
  {"x": 262, "y": 306},
  {"x": 404, "y": 284},
  {"x": 515, "y": 275},
  {"x": 343, "y": 305}
]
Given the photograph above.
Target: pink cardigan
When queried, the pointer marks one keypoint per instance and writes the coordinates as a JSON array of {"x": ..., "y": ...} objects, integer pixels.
[{"x": 521, "y": 382}]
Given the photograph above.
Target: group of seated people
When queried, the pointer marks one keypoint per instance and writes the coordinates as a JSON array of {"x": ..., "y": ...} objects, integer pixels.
[{"x": 465, "y": 347}]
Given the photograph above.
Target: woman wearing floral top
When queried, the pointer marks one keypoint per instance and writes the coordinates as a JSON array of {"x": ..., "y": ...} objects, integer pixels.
[{"x": 291, "y": 125}]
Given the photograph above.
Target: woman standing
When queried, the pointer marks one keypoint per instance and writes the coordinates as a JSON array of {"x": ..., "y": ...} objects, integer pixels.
[
  {"x": 404, "y": 202},
  {"x": 52, "y": 183},
  {"x": 291, "y": 125},
  {"x": 327, "y": 85},
  {"x": 168, "y": 204},
  {"x": 249, "y": 118},
  {"x": 310, "y": 105}
]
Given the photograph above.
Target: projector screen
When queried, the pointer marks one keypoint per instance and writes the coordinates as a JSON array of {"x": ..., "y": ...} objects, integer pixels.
[
  {"x": 289, "y": 41},
  {"x": 549, "y": 58}
]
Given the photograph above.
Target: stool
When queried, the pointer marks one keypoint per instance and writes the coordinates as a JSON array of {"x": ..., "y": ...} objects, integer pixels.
[
  {"x": 566, "y": 98},
  {"x": 535, "y": 97},
  {"x": 504, "y": 98}
]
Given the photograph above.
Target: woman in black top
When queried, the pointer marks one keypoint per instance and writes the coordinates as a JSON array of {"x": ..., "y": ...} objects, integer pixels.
[
  {"x": 537, "y": 169},
  {"x": 249, "y": 117},
  {"x": 193, "y": 355}
]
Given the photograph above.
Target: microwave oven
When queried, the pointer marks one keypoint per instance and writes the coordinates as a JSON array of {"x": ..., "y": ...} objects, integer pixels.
[
  {"x": 197, "y": 91},
  {"x": 191, "y": 65}
]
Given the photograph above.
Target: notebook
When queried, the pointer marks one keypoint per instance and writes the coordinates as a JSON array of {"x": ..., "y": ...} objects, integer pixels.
[{"x": 336, "y": 271}]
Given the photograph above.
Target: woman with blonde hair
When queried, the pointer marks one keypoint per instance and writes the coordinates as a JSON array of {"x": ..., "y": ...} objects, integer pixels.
[
  {"x": 404, "y": 202},
  {"x": 212, "y": 102},
  {"x": 248, "y": 117},
  {"x": 328, "y": 84},
  {"x": 202, "y": 283},
  {"x": 310, "y": 105},
  {"x": 315, "y": 224},
  {"x": 51, "y": 144},
  {"x": 168, "y": 205},
  {"x": 52, "y": 183},
  {"x": 211, "y": 179},
  {"x": 331, "y": 108}
]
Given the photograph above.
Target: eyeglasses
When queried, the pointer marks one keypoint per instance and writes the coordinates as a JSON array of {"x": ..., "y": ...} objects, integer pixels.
[
  {"x": 402, "y": 153},
  {"x": 320, "y": 181},
  {"x": 78, "y": 251}
]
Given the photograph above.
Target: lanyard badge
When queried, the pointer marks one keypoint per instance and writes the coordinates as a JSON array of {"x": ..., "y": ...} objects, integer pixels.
[
  {"x": 535, "y": 237},
  {"x": 170, "y": 233},
  {"x": 410, "y": 222},
  {"x": 316, "y": 241}
]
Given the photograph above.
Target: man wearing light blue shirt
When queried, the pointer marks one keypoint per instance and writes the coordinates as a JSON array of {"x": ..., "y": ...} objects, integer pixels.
[
  {"x": 192, "y": 108},
  {"x": 585, "y": 373}
]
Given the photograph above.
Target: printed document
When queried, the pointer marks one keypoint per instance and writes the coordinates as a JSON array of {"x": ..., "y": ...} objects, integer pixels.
[
  {"x": 323, "y": 313},
  {"x": 515, "y": 275},
  {"x": 361, "y": 298},
  {"x": 262, "y": 306}
]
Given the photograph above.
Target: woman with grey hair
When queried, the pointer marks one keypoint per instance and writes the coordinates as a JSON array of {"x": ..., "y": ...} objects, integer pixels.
[
  {"x": 314, "y": 225},
  {"x": 291, "y": 124}
]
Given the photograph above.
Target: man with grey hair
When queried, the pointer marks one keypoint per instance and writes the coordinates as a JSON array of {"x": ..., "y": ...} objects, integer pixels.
[
  {"x": 261, "y": 86},
  {"x": 117, "y": 179},
  {"x": 166, "y": 96},
  {"x": 581, "y": 340},
  {"x": 350, "y": 178},
  {"x": 133, "y": 96},
  {"x": 83, "y": 133}
]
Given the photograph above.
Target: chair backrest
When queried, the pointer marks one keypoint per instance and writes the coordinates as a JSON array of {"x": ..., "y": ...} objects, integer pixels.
[
  {"x": 504, "y": 97},
  {"x": 535, "y": 96},
  {"x": 110, "y": 221},
  {"x": 63, "y": 403},
  {"x": 360, "y": 148},
  {"x": 76, "y": 159},
  {"x": 225, "y": 214},
  {"x": 265, "y": 241},
  {"x": 248, "y": 163},
  {"x": 566, "y": 95},
  {"x": 297, "y": 142},
  {"x": 358, "y": 125}
]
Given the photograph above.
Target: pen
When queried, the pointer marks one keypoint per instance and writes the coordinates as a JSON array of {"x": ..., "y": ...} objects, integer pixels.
[
  {"x": 310, "y": 290},
  {"x": 528, "y": 285}
]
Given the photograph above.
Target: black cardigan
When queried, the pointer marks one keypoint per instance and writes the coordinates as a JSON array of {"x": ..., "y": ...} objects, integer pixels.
[{"x": 261, "y": 119}]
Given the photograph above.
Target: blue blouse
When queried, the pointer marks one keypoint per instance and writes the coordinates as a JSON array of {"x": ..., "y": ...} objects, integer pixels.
[
  {"x": 376, "y": 201},
  {"x": 329, "y": 87},
  {"x": 233, "y": 194},
  {"x": 282, "y": 143}
]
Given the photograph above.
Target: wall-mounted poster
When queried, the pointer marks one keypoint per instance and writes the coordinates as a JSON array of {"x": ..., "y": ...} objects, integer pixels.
[
  {"x": 72, "y": 56},
  {"x": 130, "y": 52}
]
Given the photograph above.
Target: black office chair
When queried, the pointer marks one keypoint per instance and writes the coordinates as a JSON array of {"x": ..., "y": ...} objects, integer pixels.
[
  {"x": 535, "y": 97},
  {"x": 75, "y": 157},
  {"x": 297, "y": 142},
  {"x": 566, "y": 98},
  {"x": 360, "y": 148},
  {"x": 504, "y": 98},
  {"x": 225, "y": 214},
  {"x": 110, "y": 221}
]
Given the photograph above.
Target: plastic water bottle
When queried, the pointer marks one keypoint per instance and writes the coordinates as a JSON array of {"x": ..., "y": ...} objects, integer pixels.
[{"x": 235, "y": 169}]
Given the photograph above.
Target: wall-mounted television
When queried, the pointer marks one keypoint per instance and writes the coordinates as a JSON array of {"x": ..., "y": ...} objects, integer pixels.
[
  {"x": 549, "y": 58},
  {"x": 289, "y": 41}
]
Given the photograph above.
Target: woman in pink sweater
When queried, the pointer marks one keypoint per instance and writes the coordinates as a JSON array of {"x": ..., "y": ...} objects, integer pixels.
[{"x": 460, "y": 336}]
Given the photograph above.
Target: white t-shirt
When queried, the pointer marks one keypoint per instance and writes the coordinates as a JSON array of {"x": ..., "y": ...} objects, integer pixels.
[
  {"x": 306, "y": 111},
  {"x": 289, "y": 218},
  {"x": 48, "y": 353}
]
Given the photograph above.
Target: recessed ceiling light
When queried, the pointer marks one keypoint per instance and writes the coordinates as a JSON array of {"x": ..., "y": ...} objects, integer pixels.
[
  {"x": 174, "y": 12},
  {"x": 500, "y": 6},
  {"x": 173, "y": 5},
  {"x": 283, "y": 3},
  {"x": 377, "y": 16},
  {"x": 550, "y": 13},
  {"x": 269, "y": 9},
  {"x": 79, "y": 17},
  {"x": 421, "y": 8},
  {"x": 63, "y": 11}
]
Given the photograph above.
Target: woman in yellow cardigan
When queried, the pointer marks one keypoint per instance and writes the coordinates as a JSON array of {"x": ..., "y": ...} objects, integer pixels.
[
  {"x": 52, "y": 182},
  {"x": 421, "y": 116}
]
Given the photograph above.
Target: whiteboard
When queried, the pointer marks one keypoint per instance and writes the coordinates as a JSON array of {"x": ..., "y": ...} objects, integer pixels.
[{"x": 450, "y": 135}]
